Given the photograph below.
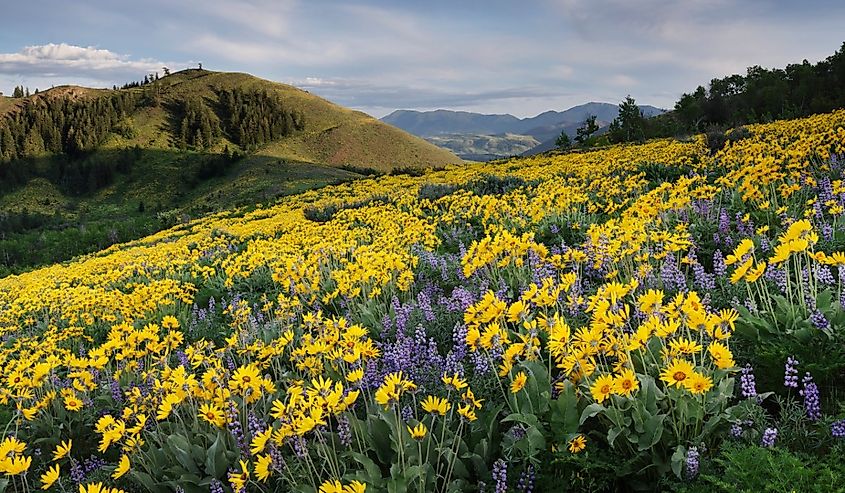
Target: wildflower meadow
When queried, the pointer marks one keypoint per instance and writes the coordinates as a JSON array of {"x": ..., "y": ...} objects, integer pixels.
[{"x": 640, "y": 317}]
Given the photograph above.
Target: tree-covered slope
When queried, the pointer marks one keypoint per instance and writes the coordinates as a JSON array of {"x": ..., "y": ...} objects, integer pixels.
[{"x": 81, "y": 169}]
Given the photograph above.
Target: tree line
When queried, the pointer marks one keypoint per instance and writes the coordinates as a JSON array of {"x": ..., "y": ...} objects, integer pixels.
[
  {"x": 761, "y": 95},
  {"x": 61, "y": 125}
]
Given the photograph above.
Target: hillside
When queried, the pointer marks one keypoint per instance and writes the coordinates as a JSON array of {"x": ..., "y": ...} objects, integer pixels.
[
  {"x": 137, "y": 168},
  {"x": 484, "y": 147}
]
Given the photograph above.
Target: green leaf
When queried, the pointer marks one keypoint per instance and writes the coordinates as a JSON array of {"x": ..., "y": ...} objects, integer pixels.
[
  {"x": 528, "y": 419},
  {"x": 564, "y": 417},
  {"x": 590, "y": 411},
  {"x": 215, "y": 461},
  {"x": 653, "y": 432},
  {"x": 678, "y": 459},
  {"x": 181, "y": 450},
  {"x": 614, "y": 433},
  {"x": 372, "y": 470},
  {"x": 824, "y": 301}
]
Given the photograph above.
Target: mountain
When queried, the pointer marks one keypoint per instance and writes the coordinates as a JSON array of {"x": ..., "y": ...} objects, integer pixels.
[
  {"x": 439, "y": 122},
  {"x": 442, "y": 127},
  {"x": 430, "y": 123},
  {"x": 84, "y": 168}
]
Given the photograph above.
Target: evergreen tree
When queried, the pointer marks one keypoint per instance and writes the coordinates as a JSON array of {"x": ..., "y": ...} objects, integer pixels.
[
  {"x": 629, "y": 124},
  {"x": 563, "y": 141},
  {"x": 586, "y": 130}
]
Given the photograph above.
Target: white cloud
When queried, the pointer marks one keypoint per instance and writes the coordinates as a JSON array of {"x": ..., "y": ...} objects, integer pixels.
[{"x": 65, "y": 60}]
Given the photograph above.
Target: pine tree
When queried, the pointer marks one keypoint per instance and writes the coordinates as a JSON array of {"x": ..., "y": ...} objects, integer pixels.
[
  {"x": 586, "y": 130},
  {"x": 562, "y": 141}
]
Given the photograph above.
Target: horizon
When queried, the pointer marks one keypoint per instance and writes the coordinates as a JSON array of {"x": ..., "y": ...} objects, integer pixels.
[{"x": 378, "y": 57}]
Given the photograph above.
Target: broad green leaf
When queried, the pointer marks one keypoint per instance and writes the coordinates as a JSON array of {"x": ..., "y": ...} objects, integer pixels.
[{"x": 590, "y": 411}]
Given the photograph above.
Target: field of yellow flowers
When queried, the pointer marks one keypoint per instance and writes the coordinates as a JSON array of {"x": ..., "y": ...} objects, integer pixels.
[{"x": 491, "y": 327}]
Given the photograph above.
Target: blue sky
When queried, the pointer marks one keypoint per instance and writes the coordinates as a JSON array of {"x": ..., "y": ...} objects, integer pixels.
[{"x": 519, "y": 57}]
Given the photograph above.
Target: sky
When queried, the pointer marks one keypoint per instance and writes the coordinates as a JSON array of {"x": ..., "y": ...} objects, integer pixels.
[{"x": 492, "y": 56}]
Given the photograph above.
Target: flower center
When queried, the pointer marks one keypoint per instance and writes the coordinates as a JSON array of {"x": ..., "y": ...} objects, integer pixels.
[{"x": 679, "y": 376}]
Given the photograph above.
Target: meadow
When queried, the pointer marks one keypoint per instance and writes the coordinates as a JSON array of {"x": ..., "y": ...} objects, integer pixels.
[{"x": 662, "y": 316}]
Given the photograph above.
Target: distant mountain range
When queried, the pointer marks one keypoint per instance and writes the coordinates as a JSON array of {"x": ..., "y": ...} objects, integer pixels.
[{"x": 545, "y": 127}]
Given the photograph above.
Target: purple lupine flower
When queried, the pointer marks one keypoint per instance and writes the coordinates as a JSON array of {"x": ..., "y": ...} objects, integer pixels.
[
  {"x": 344, "y": 431},
  {"x": 300, "y": 447},
  {"x": 254, "y": 424},
  {"x": 724, "y": 222},
  {"x": 827, "y": 232},
  {"x": 702, "y": 279},
  {"x": 778, "y": 276},
  {"x": 745, "y": 228},
  {"x": 825, "y": 190},
  {"x": 517, "y": 432},
  {"x": 720, "y": 268},
  {"x": 769, "y": 437},
  {"x": 116, "y": 391},
  {"x": 818, "y": 320},
  {"x": 751, "y": 305},
  {"x": 234, "y": 425},
  {"x": 747, "y": 382},
  {"x": 526, "y": 480},
  {"x": 824, "y": 275},
  {"x": 500, "y": 475},
  {"x": 692, "y": 463},
  {"x": 424, "y": 302},
  {"x": 790, "y": 377},
  {"x": 77, "y": 474},
  {"x": 837, "y": 429},
  {"x": 215, "y": 486},
  {"x": 407, "y": 413},
  {"x": 736, "y": 430},
  {"x": 672, "y": 276},
  {"x": 810, "y": 392}
]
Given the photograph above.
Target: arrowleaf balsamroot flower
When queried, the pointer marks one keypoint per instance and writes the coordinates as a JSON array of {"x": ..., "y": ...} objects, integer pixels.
[
  {"x": 518, "y": 382},
  {"x": 418, "y": 432},
  {"x": 577, "y": 444},
  {"x": 602, "y": 388},
  {"x": 626, "y": 383},
  {"x": 435, "y": 405},
  {"x": 677, "y": 372},
  {"x": 50, "y": 477},
  {"x": 122, "y": 467},
  {"x": 62, "y": 450}
]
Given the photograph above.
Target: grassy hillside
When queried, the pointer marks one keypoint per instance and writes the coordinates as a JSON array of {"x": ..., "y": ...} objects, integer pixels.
[{"x": 152, "y": 181}]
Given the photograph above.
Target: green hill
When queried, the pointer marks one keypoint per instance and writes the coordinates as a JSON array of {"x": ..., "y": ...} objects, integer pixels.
[{"x": 81, "y": 168}]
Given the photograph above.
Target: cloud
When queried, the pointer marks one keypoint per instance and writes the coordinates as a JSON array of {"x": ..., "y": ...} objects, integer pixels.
[
  {"x": 379, "y": 99},
  {"x": 73, "y": 62}
]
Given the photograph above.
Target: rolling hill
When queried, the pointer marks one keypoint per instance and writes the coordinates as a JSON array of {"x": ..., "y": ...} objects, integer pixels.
[{"x": 107, "y": 182}]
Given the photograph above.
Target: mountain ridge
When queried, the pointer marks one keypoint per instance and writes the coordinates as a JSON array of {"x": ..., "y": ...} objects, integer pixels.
[{"x": 443, "y": 121}]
